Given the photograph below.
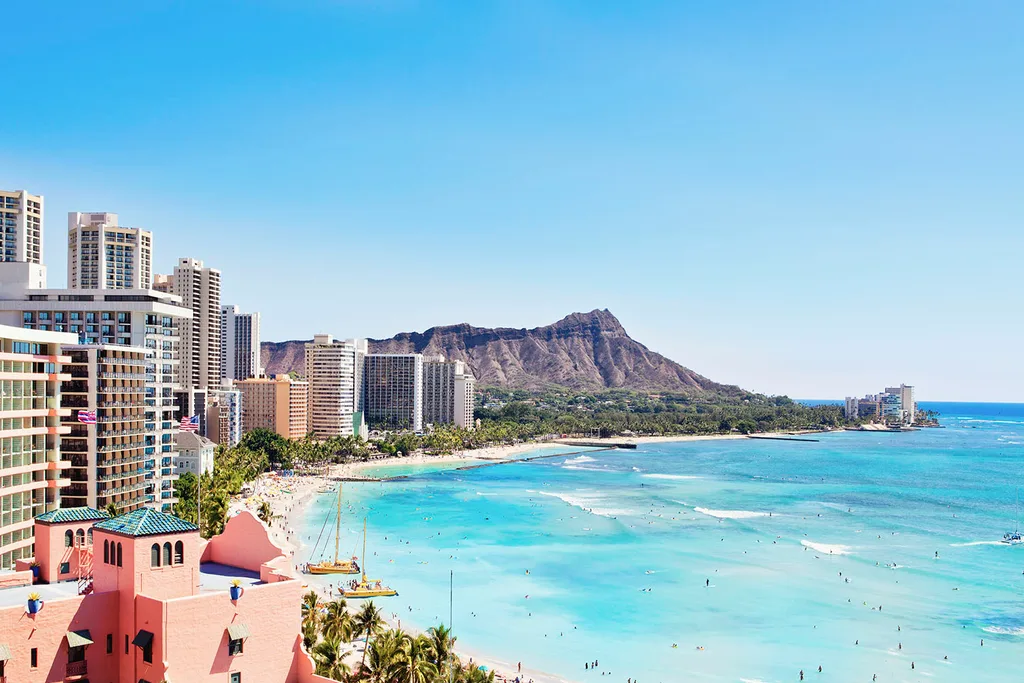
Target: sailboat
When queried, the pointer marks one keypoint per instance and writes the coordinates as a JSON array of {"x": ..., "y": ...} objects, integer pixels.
[
  {"x": 1014, "y": 538},
  {"x": 338, "y": 566},
  {"x": 366, "y": 588}
]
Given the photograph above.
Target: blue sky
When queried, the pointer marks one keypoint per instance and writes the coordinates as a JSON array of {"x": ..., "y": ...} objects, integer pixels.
[{"x": 805, "y": 198}]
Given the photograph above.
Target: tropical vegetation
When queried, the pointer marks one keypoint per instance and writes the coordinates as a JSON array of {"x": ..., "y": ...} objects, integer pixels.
[{"x": 330, "y": 632}]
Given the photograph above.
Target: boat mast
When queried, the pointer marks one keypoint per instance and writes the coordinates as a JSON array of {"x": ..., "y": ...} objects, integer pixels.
[{"x": 337, "y": 526}]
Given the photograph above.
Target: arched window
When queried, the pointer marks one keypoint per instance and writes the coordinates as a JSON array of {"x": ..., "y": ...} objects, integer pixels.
[
  {"x": 179, "y": 552},
  {"x": 154, "y": 555},
  {"x": 119, "y": 554},
  {"x": 167, "y": 554},
  {"x": 80, "y": 538},
  {"x": 88, "y": 536},
  {"x": 69, "y": 538},
  {"x": 106, "y": 551}
]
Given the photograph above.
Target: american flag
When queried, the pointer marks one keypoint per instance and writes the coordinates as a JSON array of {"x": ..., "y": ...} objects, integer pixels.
[
  {"x": 190, "y": 424},
  {"x": 87, "y": 417}
]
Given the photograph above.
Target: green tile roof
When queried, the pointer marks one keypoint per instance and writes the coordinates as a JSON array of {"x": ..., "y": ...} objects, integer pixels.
[
  {"x": 146, "y": 522},
  {"x": 64, "y": 515}
]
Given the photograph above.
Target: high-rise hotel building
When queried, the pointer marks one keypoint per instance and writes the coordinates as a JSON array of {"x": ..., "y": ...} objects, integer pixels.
[
  {"x": 21, "y": 216},
  {"x": 109, "y": 446},
  {"x": 31, "y": 464},
  {"x": 199, "y": 290},
  {"x": 393, "y": 391},
  {"x": 104, "y": 255},
  {"x": 130, "y": 317},
  {"x": 448, "y": 392},
  {"x": 240, "y": 346},
  {"x": 280, "y": 404},
  {"x": 334, "y": 373}
]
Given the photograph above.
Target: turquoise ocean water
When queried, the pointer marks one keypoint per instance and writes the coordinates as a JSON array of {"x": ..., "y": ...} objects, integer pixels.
[{"x": 772, "y": 556}]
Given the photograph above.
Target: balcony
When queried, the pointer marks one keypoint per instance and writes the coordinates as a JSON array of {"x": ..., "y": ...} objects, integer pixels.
[{"x": 77, "y": 668}]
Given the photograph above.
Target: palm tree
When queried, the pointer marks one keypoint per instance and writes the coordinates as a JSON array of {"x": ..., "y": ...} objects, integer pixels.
[
  {"x": 385, "y": 657},
  {"x": 415, "y": 665},
  {"x": 310, "y": 618},
  {"x": 337, "y": 623},
  {"x": 328, "y": 655},
  {"x": 368, "y": 623},
  {"x": 442, "y": 645},
  {"x": 266, "y": 513},
  {"x": 474, "y": 674},
  {"x": 111, "y": 509}
]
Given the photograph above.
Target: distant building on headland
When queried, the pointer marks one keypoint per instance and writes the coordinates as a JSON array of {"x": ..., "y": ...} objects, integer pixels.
[{"x": 895, "y": 404}]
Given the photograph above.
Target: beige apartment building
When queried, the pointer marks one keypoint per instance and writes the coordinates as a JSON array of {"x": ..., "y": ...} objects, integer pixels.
[
  {"x": 199, "y": 289},
  {"x": 448, "y": 392},
  {"x": 334, "y": 373},
  {"x": 21, "y": 217},
  {"x": 32, "y": 467},
  {"x": 280, "y": 404},
  {"x": 109, "y": 439},
  {"x": 105, "y": 255}
]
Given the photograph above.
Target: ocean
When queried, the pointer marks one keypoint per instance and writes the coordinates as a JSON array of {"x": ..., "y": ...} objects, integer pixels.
[{"x": 725, "y": 560}]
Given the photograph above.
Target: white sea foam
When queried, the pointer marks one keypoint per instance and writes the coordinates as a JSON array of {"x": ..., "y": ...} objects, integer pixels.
[
  {"x": 965, "y": 545},
  {"x": 577, "y": 468},
  {"x": 582, "y": 458},
  {"x": 730, "y": 514},
  {"x": 1003, "y": 631},
  {"x": 827, "y": 548},
  {"x": 588, "y": 503}
]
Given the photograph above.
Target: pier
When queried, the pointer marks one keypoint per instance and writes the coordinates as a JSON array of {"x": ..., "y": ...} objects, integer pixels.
[
  {"x": 597, "y": 444},
  {"x": 781, "y": 438}
]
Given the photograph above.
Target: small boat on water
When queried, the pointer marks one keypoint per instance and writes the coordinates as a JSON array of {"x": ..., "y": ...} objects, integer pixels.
[
  {"x": 338, "y": 566},
  {"x": 1014, "y": 537},
  {"x": 366, "y": 588}
]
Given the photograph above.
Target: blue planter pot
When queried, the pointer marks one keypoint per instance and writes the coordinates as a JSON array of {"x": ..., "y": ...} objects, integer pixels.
[
  {"x": 236, "y": 592},
  {"x": 34, "y": 606},
  {"x": 35, "y": 572}
]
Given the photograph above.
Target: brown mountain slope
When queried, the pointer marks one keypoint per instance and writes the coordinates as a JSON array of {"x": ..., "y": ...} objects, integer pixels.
[{"x": 582, "y": 351}]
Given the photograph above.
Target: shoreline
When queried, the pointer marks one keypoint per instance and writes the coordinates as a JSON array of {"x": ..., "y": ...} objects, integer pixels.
[{"x": 290, "y": 497}]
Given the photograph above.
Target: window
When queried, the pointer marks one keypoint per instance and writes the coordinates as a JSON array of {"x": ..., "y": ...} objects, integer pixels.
[
  {"x": 147, "y": 652},
  {"x": 236, "y": 677},
  {"x": 235, "y": 647},
  {"x": 65, "y": 568},
  {"x": 80, "y": 538},
  {"x": 118, "y": 554},
  {"x": 76, "y": 654},
  {"x": 69, "y": 538},
  {"x": 34, "y": 658},
  {"x": 106, "y": 552},
  {"x": 179, "y": 552},
  {"x": 88, "y": 536},
  {"x": 126, "y": 643},
  {"x": 167, "y": 554},
  {"x": 110, "y": 643},
  {"x": 154, "y": 555}
]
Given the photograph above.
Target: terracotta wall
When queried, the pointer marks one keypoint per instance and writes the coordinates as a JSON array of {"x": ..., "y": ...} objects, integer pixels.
[
  {"x": 46, "y": 632},
  {"x": 192, "y": 635},
  {"x": 245, "y": 543}
]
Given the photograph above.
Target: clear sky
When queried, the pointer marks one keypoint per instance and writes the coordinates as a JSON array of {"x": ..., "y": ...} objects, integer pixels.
[{"x": 807, "y": 198}]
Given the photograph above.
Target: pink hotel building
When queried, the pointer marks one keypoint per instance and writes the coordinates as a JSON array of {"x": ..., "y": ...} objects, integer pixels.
[{"x": 141, "y": 598}]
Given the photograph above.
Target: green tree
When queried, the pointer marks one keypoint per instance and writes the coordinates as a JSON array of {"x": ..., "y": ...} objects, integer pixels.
[
  {"x": 265, "y": 513},
  {"x": 415, "y": 663},
  {"x": 328, "y": 655},
  {"x": 368, "y": 624}
]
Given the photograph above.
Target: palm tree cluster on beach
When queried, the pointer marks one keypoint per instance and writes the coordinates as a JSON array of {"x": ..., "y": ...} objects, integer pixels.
[{"x": 389, "y": 655}]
